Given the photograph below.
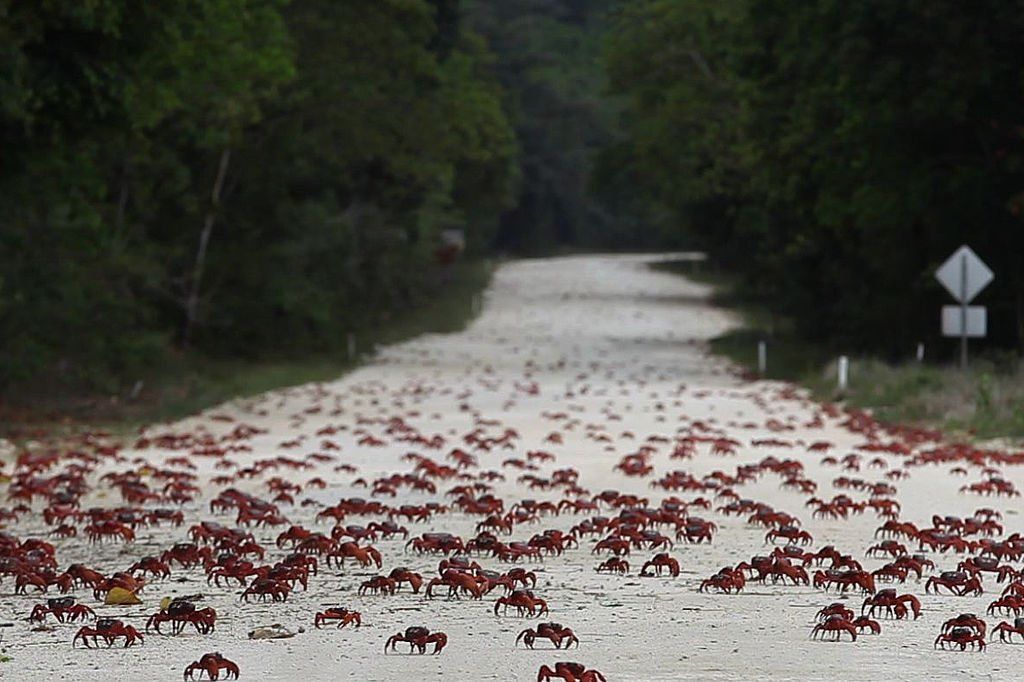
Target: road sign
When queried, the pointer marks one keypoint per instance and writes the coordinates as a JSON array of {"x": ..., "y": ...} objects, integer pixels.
[
  {"x": 964, "y": 274},
  {"x": 953, "y": 321}
]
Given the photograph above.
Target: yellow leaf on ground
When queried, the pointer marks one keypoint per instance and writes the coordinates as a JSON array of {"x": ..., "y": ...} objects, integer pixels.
[{"x": 119, "y": 595}]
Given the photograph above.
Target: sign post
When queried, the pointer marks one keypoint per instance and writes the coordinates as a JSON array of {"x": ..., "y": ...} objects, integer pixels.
[{"x": 964, "y": 275}]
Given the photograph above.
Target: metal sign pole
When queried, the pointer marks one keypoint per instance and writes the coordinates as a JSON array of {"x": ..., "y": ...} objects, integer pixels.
[{"x": 963, "y": 312}]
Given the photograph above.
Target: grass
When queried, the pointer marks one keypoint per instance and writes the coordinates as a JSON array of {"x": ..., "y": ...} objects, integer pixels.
[
  {"x": 790, "y": 357},
  {"x": 986, "y": 401},
  {"x": 190, "y": 383}
]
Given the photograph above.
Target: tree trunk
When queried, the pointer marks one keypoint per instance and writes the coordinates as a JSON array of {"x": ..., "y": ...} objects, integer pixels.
[
  {"x": 192, "y": 303},
  {"x": 122, "y": 205},
  {"x": 1019, "y": 314}
]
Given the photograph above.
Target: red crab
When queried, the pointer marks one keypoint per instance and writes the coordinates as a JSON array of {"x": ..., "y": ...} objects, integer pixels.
[
  {"x": 1011, "y": 603},
  {"x": 569, "y": 672},
  {"x": 1007, "y": 631},
  {"x": 616, "y": 545},
  {"x": 727, "y": 580},
  {"x": 966, "y": 620},
  {"x": 835, "y": 626},
  {"x": 342, "y": 615},
  {"x": 233, "y": 570},
  {"x": 696, "y": 530},
  {"x": 890, "y": 547},
  {"x": 894, "y": 605},
  {"x": 180, "y": 613},
  {"x": 350, "y": 550},
  {"x": 845, "y": 579},
  {"x": 212, "y": 664},
  {"x": 525, "y": 603},
  {"x": 388, "y": 529},
  {"x": 64, "y": 531},
  {"x": 267, "y": 587},
  {"x": 151, "y": 565},
  {"x": 976, "y": 565},
  {"x": 552, "y": 631},
  {"x": 418, "y": 638},
  {"x": 108, "y": 629},
  {"x": 437, "y": 543},
  {"x": 957, "y": 582},
  {"x": 458, "y": 582},
  {"x": 658, "y": 562},
  {"x": 916, "y": 563},
  {"x": 835, "y": 609},
  {"x": 864, "y": 623},
  {"x": 614, "y": 565},
  {"x": 379, "y": 584},
  {"x": 962, "y": 637},
  {"x": 187, "y": 554},
  {"x": 403, "y": 575},
  {"x": 63, "y": 609},
  {"x": 82, "y": 576},
  {"x": 123, "y": 580},
  {"x": 789, "y": 533}
]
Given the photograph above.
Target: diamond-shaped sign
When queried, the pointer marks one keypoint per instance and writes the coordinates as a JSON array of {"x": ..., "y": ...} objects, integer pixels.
[{"x": 964, "y": 274}]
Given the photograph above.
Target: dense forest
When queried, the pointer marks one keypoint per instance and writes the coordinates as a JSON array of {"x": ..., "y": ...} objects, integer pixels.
[
  {"x": 249, "y": 177},
  {"x": 833, "y": 152}
]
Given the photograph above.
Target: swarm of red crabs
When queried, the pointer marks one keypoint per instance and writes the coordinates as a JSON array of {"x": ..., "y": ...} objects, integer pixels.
[{"x": 267, "y": 536}]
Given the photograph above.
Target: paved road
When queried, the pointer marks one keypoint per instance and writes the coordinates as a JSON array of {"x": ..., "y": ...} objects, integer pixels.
[{"x": 589, "y": 359}]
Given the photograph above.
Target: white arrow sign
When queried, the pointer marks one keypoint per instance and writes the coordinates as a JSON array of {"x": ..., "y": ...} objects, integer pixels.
[{"x": 964, "y": 274}]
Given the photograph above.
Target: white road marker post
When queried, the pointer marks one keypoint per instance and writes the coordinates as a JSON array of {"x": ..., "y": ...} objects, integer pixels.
[
  {"x": 762, "y": 357},
  {"x": 843, "y": 372},
  {"x": 920, "y": 352}
]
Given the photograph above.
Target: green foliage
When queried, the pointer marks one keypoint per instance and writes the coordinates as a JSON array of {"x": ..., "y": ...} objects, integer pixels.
[
  {"x": 981, "y": 402},
  {"x": 354, "y": 133},
  {"x": 548, "y": 59},
  {"x": 834, "y": 153},
  {"x": 986, "y": 401},
  {"x": 186, "y": 384}
]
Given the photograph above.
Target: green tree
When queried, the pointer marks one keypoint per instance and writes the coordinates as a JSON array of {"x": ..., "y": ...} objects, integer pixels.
[
  {"x": 548, "y": 59},
  {"x": 834, "y": 153}
]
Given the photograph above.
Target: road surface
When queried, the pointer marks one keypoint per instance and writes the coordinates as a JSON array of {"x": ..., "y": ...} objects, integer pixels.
[{"x": 610, "y": 356}]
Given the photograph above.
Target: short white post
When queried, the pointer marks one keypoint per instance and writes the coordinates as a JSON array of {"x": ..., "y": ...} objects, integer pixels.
[
  {"x": 843, "y": 372},
  {"x": 920, "y": 352},
  {"x": 351, "y": 346},
  {"x": 762, "y": 357}
]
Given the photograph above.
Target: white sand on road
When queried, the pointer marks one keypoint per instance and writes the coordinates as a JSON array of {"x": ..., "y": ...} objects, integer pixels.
[{"x": 618, "y": 348}]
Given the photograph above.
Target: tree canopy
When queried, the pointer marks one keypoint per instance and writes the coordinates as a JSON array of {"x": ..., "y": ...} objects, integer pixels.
[
  {"x": 237, "y": 175},
  {"x": 250, "y": 177},
  {"x": 835, "y": 153}
]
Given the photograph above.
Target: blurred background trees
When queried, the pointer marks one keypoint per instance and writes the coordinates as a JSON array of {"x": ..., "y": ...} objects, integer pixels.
[
  {"x": 834, "y": 153},
  {"x": 250, "y": 177},
  {"x": 233, "y": 176}
]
